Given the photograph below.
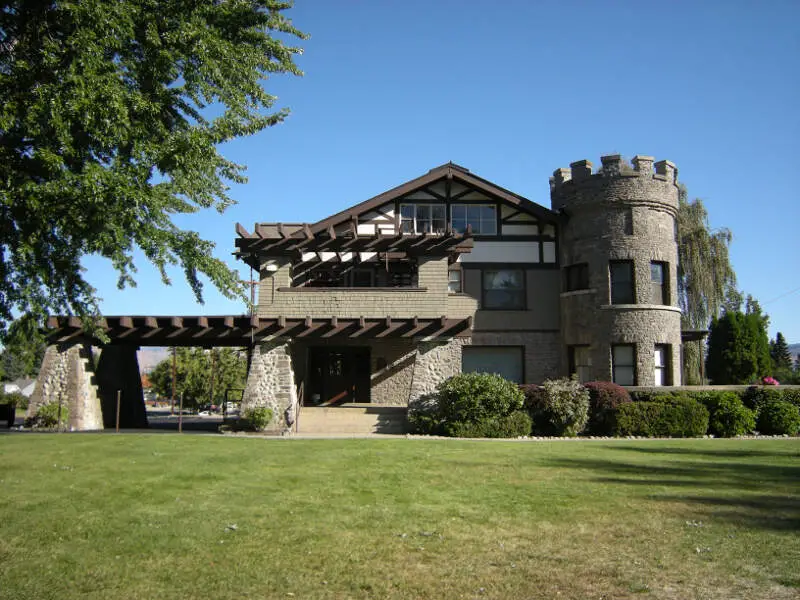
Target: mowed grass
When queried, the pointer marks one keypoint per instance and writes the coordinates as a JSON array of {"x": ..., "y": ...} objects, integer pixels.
[{"x": 168, "y": 516}]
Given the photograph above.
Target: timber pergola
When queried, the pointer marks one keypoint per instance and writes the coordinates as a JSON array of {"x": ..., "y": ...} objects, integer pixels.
[
  {"x": 296, "y": 239},
  {"x": 246, "y": 330}
]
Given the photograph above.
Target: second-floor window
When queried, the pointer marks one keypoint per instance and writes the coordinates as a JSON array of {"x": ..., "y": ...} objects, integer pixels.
[
  {"x": 423, "y": 218},
  {"x": 482, "y": 217},
  {"x": 658, "y": 283},
  {"x": 576, "y": 277},
  {"x": 621, "y": 274},
  {"x": 504, "y": 289}
]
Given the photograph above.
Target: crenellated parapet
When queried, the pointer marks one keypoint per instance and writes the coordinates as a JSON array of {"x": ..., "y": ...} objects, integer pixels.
[{"x": 642, "y": 181}]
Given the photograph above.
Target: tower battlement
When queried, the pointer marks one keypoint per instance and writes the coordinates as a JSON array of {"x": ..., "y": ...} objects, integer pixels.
[{"x": 614, "y": 165}]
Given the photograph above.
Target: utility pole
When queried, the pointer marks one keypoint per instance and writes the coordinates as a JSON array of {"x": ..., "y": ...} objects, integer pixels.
[{"x": 174, "y": 371}]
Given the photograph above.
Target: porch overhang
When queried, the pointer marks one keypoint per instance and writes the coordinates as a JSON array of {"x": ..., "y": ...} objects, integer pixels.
[{"x": 243, "y": 330}]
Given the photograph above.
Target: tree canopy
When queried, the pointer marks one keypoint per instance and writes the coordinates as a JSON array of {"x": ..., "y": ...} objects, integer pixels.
[
  {"x": 193, "y": 373},
  {"x": 23, "y": 349},
  {"x": 104, "y": 135},
  {"x": 738, "y": 346}
]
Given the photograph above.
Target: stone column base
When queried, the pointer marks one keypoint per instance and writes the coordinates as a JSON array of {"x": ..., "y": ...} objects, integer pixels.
[{"x": 270, "y": 384}]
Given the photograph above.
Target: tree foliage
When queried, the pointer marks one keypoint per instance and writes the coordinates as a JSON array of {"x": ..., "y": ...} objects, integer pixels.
[
  {"x": 738, "y": 346},
  {"x": 23, "y": 349},
  {"x": 706, "y": 279},
  {"x": 779, "y": 352},
  {"x": 105, "y": 135},
  {"x": 194, "y": 373}
]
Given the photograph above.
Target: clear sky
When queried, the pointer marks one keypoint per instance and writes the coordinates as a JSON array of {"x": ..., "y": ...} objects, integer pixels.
[{"x": 513, "y": 90}]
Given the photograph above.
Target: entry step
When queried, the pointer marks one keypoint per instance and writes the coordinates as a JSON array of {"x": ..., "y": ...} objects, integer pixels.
[{"x": 352, "y": 418}]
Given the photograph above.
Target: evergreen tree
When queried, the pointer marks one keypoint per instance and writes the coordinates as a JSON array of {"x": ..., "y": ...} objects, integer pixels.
[
  {"x": 738, "y": 346},
  {"x": 104, "y": 135},
  {"x": 779, "y": 352}
]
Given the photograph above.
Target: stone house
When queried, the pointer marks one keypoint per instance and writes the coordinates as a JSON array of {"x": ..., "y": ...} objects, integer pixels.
[{"x": 450, "y": 272}]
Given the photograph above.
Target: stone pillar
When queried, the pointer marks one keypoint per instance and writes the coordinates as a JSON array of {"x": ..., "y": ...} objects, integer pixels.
[
  {"x": 118, "y": 369},
  {"x": 434, "y": 362},
  {"x": 270, "y": 383},
  {"x": 67, "y": 376}
]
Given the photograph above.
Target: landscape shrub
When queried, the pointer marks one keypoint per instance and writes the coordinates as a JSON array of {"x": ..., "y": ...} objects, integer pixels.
[
  {"x": 46, "y": 417},
  {"x": 778, "y": 417},
  {"x": 756, "y": 395},
  {"x": 15, "y": 398},
  {"x": 424, "y": 417},
  {"x": 728, "y": 416},
  {"x": 560, "y": 407},
  {"x": 604, "y": 400},
  {"x": 516, "y": 424},
  {"x": 475, "y": 398},
  {"x": 258, "y": 418},
  {"x": 666, "y": 416},
  {"x": 791, "y": 395}
]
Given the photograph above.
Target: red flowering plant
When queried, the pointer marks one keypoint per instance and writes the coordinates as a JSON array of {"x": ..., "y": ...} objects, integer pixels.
[{"x": 769, "y": 381}]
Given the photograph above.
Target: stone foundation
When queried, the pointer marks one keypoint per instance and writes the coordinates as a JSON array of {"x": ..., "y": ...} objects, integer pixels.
[
  {"x": 270, "y": 384},
  {"x": 435, "y": 362}
]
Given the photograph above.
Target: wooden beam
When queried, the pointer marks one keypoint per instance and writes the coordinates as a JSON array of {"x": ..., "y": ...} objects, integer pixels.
[
  {"x": 176, "y": 322},
  {"x": 307, "y": 231},
  {"x": 228, "y": 321},
  {"x": 443, "y": 321},
  {"x": 202, "y": 321},
  {"x": 469, "y": 322},
  {"x": 362, "y": 322},
  {"x": 308, "y": 321},
  {"x": 331, "y": 232},
  {"x": 151, "y": 322},
  {"x": 416, "y": 321},
  {"x": 281, "y": 321},
  {"x": 388, "y": 321},
  {"x": 52, "y": 322},
  {"x": 75, "y": 323},
  {"x": 241, "y": 231},
  {"x": 354, "y": 226},
  {"x": 282, "y": 231},
  {"x": 254, "y": 322},
  {"x": 126, "y": 322},
  {"x": 334, "y": 321}
]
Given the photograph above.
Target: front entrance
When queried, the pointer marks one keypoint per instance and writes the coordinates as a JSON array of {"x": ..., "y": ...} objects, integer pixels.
[{"x": 338, "y": 375}]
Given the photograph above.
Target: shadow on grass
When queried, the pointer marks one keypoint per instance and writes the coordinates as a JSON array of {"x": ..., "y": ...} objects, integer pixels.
[
  {"x": 722, "y": 453},
  {"x": 757, "y": 493}
]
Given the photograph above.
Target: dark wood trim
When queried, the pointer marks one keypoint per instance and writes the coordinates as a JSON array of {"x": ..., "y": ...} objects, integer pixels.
[
  {"x": 508, "y": 265},
  {"x": 324, "y": 290}
]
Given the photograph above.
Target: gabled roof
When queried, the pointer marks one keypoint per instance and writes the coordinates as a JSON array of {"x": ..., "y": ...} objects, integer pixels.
[{"x": 447, "y": 171}]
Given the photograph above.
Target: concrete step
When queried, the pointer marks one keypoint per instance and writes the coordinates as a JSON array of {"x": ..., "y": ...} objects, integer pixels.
[{"x": 352, "y": 418}]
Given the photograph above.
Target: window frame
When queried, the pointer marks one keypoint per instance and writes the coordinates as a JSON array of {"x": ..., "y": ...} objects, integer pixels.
[
  {"x": 615, "y": 365},
  {"x": 523, "y": 290},
  {"x": 574, "y": 367},
  {"x": 664, "y": 368},
  {"x": 663, "y": 287},
  {"x": 477, "y": 229},
  {"x": 458, "y": 280},
  {"x": 478, "y": 347},
  {"x": 612, "y": 286},
  {"x": 582, "y": 270},
  {"x": 415, "y": 219}
]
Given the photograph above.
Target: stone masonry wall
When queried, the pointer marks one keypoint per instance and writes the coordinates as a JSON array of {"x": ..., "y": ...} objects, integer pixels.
[
  {"x": 542, "y": 350},
  {"x": 66, "y": 376},
  {"x": 270, "y": 383},
  {"x": 435, "y": 362}
]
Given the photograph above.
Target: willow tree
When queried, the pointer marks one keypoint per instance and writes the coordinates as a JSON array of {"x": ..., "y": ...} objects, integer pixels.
[
  {"x": 706, "y": 279},
  {"x": 104, "y": 135}
]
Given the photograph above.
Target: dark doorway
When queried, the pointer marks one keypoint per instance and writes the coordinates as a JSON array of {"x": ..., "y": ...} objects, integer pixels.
[{"x": 338, "y": 375}]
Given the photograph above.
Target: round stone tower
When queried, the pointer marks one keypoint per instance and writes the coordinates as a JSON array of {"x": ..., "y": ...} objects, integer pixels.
[{"x": 618, "y": 251}]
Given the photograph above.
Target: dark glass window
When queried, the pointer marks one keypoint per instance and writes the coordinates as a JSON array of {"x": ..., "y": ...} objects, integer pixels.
[
  {"x": 580, "y": 363},
  {"x": 576, "y": 277},
  {"x": 621, "y": 273},
  {"x": 482, "y": 217},
  {"x": 623, "y": 364},
  {"x": 504, "y": 289}
]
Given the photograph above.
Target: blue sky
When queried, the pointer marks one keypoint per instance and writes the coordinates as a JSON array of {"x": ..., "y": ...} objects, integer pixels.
[{"x": 513, "y": 90}]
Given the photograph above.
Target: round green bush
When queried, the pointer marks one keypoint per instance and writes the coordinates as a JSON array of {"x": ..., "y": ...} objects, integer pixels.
[
  {"x": 259, "y": 417},
  {"x": 756, "y": 395},
  {"x": 605, "y": 398},
  {"x": 778, "y": 418},
  {"x": 560, "y": 407},
  {"x": 729, "y": 417},
  {"x": 476, "y": 397}
]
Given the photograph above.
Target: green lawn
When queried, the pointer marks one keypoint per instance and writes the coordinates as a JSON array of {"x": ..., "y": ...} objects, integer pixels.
[{"x": 168, "y": 516}]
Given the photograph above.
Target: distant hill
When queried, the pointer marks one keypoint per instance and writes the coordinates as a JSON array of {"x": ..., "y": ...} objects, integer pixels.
[
  {"x": 150, "y": 357},
  {"x": 795, "y": 350}
]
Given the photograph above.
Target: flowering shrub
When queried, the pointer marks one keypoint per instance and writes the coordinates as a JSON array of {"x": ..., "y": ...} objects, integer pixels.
[
  {"x": 604, "y": 400},
  {"x": 769, "y": 381}
]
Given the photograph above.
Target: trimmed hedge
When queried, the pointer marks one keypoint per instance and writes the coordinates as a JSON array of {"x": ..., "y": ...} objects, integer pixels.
[
  {"x": 605, "y": 398},
  {"x": 665, "y": 416},
  {"x": 516, "y": 424},
  {"x": 729, "y": 417},
  {"x": 778, "y": 417}
]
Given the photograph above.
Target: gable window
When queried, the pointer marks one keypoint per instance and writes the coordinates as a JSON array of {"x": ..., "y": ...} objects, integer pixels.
[
  {"x": 659, "y": 293},
  {"x": 504, "y": 289},
  {"x": 454, "y": 281},
  {"x": 482, "y": 217},
  {"x": 621, "y": 273},
  {"x": 623, "y": 364},
  {"x": 576, "y": 277},
  {"x": 580, "y": 363},
  {"x": 422, "y": 218},
  {"x": 660, "y": 364}
]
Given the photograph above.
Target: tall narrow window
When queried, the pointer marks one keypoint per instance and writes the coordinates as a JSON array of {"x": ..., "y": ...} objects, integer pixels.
[
  {"x": 661, "y": 364},
  {"x": 454, "y": 281},
  {"x": 623, "y": 364},
  {"x": 580, "y": 363},
  {"x": 659, "y": 292},
  {"x": 504, "y": 289},
  {"x": 621, "y": 274}
]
